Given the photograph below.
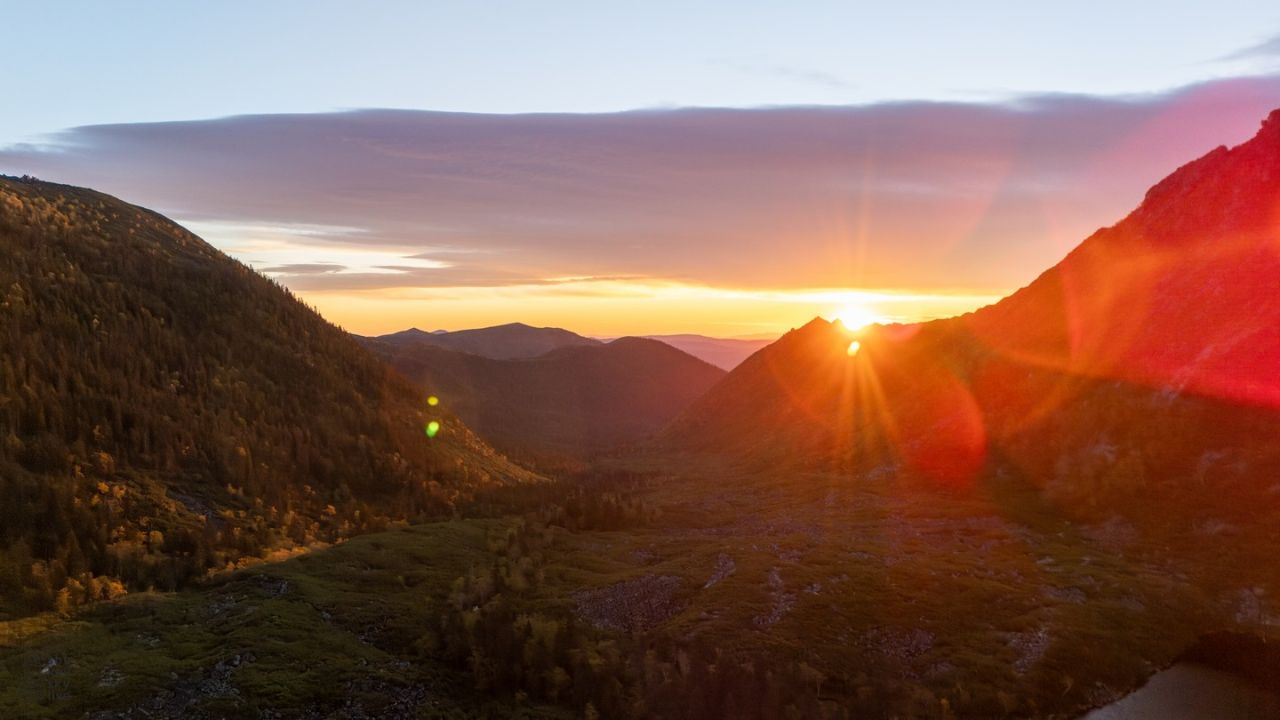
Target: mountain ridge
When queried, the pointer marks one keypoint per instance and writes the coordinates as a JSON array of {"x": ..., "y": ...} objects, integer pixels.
[{"x": 509, "y": 341}]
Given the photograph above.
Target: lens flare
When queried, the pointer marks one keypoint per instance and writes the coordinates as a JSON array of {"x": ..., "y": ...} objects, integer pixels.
[
  {"x": 433, "y": 401},
  {"x": 433, "y": 427},
  {"x": 854, "y": 347},
  {"x": 856, "y": 316}
]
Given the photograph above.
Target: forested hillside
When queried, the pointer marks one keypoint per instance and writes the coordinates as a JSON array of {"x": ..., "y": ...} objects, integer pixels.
[{"x": 165, "y": 410}]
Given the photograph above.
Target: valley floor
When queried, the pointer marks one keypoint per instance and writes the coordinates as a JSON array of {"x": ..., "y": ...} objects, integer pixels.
[
  {"x": 325, "y": 633},
  {"x": 875, "y": 597}
]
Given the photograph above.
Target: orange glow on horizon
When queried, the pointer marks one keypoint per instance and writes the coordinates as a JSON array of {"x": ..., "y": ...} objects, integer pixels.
[
  {"x": 613, "y": 308},
  {"x": 856, "y": 316}
]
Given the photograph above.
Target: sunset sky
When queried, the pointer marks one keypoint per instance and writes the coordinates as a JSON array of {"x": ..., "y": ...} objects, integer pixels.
[{"x": 731, "y": 169}]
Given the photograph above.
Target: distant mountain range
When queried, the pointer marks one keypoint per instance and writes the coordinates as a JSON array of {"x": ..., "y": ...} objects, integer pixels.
[
  {"x": 1138, "y": 371},
  {"x": 724, "y": 353},
  {"x": 573, "y": 402},
  {"x": 501, "y": 342},
  {"x": 517, "y": 340}
]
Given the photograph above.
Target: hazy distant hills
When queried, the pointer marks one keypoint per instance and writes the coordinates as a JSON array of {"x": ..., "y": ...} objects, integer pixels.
[
  {"x": 164, "y": 409},
  {"x": 724, "y": 353},
  {"x": 573, "y": 401},
  {"x": 501, "y": 342},
  {"x": 517, "y": 340},
  {"x": 1139, "y": 368}
]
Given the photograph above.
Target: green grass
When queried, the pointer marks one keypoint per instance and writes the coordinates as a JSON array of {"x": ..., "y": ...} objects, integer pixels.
[
  {"x": 347, "y": 619},
  {"x": 901, "y": 595},
  {"x": 892, "y": 558}
]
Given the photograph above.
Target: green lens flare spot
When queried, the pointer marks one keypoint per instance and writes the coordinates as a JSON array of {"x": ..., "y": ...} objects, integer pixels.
[
  {"x": 433, "y": 427},
  {"x": 433, "y": 401}
]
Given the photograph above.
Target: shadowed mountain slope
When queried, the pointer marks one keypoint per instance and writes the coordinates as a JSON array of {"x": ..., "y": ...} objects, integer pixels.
[{"x": 165, "y": 410}]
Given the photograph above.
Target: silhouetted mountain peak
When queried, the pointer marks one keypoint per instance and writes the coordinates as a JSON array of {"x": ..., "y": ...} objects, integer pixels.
[
  {"x": 1271, "y": 127},
  {"x": 1209, "y": 199},
  {"x": 650, "y": 350},
  {"x": 512, "y": 326},
  {"x": 501, "y": 342},
  {"x": 818, "y": 324},
  {"x": 817, "y": 333},
  {"x": 411, "y": 333},
  {"x": 631, "y": 341}
]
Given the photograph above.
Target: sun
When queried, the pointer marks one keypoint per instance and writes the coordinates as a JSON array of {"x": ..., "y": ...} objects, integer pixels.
[{"x": 856, "y": 316}]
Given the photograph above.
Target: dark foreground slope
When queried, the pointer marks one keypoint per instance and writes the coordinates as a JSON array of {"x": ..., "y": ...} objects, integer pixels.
[
  {"x": 165, "y": 410},
  {"x": 572, "y": 402},
  {"x": 500, "y": 342}
]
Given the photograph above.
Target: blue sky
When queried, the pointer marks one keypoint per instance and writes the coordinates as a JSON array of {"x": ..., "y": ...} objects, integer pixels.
[
  {"x": 82, "y": 63},
  {"x": 548, "y": 164}
]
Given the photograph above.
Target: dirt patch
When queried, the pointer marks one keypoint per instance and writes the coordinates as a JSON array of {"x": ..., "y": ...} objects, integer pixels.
[
  {"x": 1030, "y": 647},
  {"x": 783, "y": 602},
  {"x": 633, "y": 605},
  {"x": 725, "y": 566},
  {"x": 1073, "y": 595},
  {"x": 110, "y": 678},
  {"x": 185, "y": 698},
  {"x": 1115, "y": 533},
  {"x": 901, "y": 644}
]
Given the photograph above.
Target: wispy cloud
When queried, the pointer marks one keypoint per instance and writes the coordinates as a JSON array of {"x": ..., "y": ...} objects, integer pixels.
[
  {"x": 287, "y": 250},
  {"x": 303, "y": 269},
  {"x": 806, "y": 76},
  {"x": 1268, "y": 49}
]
